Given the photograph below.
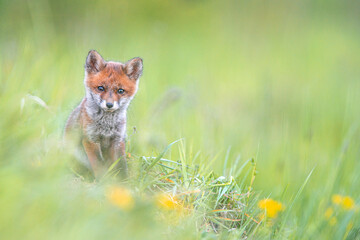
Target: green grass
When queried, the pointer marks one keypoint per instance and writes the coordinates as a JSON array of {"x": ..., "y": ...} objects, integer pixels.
[{"x": 261, "y": 98}]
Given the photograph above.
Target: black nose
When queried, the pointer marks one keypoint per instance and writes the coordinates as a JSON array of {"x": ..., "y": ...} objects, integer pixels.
[{"x": 109, "y": 105}]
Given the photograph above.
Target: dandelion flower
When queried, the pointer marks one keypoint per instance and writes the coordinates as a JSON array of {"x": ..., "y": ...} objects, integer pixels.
[
  {"x": 120, "y": 197},
  {"x": 271, "y": 207},
  {"x": 337, "y": 199},
  {"x": 167, "y": 202},
  {"x": 329, "y": 212},
  {"x": 348, "y": 203}
]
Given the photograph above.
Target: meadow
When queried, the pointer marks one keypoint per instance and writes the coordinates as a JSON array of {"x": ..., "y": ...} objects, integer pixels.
[{"x": 245, "y": 125}]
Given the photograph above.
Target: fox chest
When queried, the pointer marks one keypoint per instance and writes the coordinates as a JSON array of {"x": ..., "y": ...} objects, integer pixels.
[{"x": 105, "y": 130}]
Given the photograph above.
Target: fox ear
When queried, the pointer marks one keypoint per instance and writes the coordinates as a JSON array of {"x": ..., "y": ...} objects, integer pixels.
[
  {"x": 134, "y": 68},
  {"x": 94, "y": 62}
]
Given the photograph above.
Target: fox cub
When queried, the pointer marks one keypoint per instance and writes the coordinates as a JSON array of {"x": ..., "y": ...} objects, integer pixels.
[{"x": 98, "y": 124}]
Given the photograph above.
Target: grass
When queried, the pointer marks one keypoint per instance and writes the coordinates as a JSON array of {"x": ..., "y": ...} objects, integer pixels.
[{"x": 258, "y": 100}]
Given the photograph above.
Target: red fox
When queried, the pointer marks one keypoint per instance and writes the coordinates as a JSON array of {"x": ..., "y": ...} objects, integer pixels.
[{"x": 99, "y": 122}]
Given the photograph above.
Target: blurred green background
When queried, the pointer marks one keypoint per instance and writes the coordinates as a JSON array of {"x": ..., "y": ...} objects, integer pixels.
[{"x": 278, "y": 81}]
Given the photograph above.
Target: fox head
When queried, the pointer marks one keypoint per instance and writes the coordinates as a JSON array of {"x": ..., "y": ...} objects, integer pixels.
[{"x": 111, "y": 85}]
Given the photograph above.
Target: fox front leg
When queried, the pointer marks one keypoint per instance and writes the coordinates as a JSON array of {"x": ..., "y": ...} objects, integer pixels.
[
  {"x": 93, "y": 152},
  {"x": 117, "y": 152}
]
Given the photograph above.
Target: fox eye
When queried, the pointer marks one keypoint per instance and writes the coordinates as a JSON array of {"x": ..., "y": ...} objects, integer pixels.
[
  {"x": 101, "y": 88},
  {"x": 121, "y": 91}
]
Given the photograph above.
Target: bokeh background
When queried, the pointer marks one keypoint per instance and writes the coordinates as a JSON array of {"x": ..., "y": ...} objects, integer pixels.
[{"x": 277, "y": 81}]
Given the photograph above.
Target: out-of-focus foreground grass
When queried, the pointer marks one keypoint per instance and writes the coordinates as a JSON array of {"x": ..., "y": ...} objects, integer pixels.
[{"x": 275, "y": 81}]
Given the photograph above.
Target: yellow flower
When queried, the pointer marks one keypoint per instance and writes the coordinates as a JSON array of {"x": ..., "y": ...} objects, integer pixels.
[
  {"x": 271, "y": 207},
  {"x": 167, "y": 202},
  {"x": 337, "y": 199},
  {"x": 346, "y": 202},
  {"x": 120, "y": 197},
  {"x": 329, "y": 212}
]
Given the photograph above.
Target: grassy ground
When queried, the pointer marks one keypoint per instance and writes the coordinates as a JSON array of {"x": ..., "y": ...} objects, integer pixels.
[{"x": 261, "y": 100}]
